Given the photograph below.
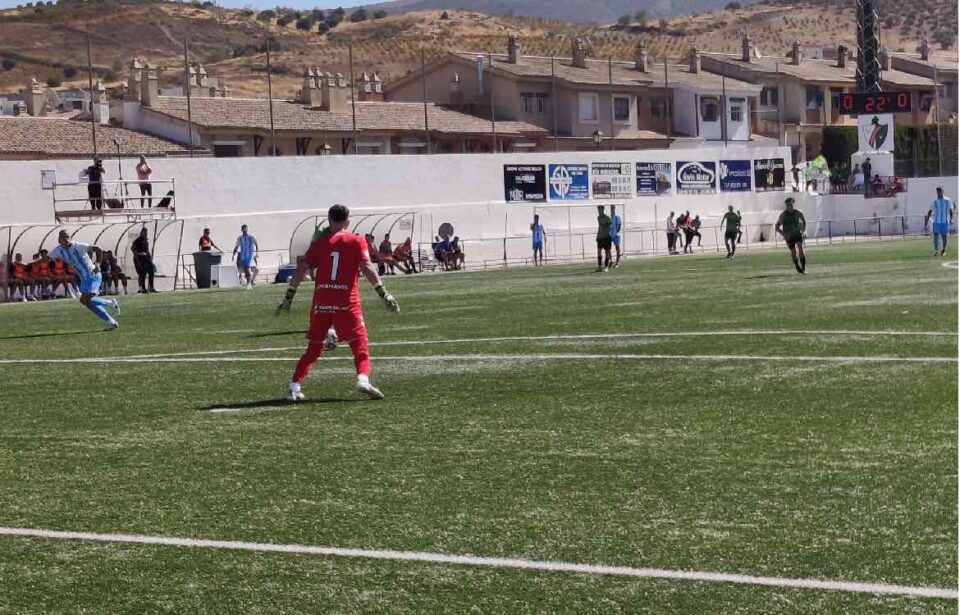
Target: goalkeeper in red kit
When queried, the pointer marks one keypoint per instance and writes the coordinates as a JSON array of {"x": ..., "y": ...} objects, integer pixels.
[{"x": 338, "y": 258}]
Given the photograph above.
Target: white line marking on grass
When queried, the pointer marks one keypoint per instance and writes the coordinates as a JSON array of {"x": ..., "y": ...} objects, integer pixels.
[
  {"x": 556, "y": 337},
  {"x": 950, "y": 265},
  {"x": 491, "y": 562},
  {"x": 506, "y": 357}
]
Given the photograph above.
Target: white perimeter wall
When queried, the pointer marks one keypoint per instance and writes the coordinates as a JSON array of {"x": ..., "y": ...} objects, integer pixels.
[{"x": 273, "y": 194}]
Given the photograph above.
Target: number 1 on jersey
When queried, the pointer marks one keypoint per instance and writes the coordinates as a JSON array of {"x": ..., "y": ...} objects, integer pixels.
[{"x": 336, "y": 265}]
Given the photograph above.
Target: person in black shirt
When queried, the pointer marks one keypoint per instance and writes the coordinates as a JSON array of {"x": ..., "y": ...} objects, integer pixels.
[
  {"x": 94, "y": 175},
  {"x": 866, "y": 168},
  {"x": 143, "y": 262}
]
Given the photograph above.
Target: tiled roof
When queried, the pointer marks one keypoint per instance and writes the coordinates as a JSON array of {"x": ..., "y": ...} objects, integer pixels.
[
  {"x": 45, "y": 137},
  {"x": 254, "y": 113},
  {"x": 815, "y": 71},
  {"x": 947, "y": 65},
  {"x": 597, "y": 72}
]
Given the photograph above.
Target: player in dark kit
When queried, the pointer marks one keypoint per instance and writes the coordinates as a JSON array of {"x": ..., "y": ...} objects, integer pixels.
[
  {"x": 791, "y": 225},
  {"x": 339, "y": 257},
  {"x": 731, "y": 222},
  {"x": 604, "y": 243}
]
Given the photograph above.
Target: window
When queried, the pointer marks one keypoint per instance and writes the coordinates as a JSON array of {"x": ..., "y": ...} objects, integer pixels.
[
  {"x": 709, "y": 108},
  {"x": 621, "y": 108},
  {"x": 541, "y": 103},
  {"x": 926, "y": 101},
  {"x": 736, "y": 113},
  {"x": 533, "y": 103},
  {"x": 814, "y": 97},
  {"x": 658, "y": 107},
  {"x": 770, "y": 96},
  {"x": 589, "y": 108}
]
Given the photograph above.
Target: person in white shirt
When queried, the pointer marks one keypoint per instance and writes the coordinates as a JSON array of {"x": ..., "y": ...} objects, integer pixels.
[{"x": 671, "y": 234}]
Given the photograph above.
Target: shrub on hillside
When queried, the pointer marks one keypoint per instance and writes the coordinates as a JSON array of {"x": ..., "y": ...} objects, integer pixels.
[
  {"x": 333, "y": 20},
  {"x": 54, "y": 82},
  {"x": 285, "y": 21},
  {"x": 69, "y": 71},
  {"x": 9, "y": 63},
  {"x": 379, "y": 14},
  {"x": 444, "y": 15},
  {"x": 266, "y": 15},
  {"x": 305, "y": 23},
  {"x": 624, "y": 20},
  {"x": 358, "y": 15},
  {"x": 323, "y": 28}
]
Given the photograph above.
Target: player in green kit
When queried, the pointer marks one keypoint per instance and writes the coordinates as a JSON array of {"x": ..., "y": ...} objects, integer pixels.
[
  {"x": 604, "y": 242},
  {"x": 731, "y": 222},
  {"x": 791, "y": 225}
]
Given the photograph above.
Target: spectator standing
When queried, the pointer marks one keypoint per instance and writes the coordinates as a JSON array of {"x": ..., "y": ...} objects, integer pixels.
[
  {"x": 867, "y": 168},
  {"x": 687, "y": 229},
  {"x": 671, "y": 234},
  {"x": 603, "y": 240},
  {"x": 94, "y": 174},
  {"x": 206, "y": 242},
  {"x": 143, "y": 262},
  {"x": 539, "y": 238},
  {"x": 456, "y": 251},
  {"x": 246, "y": 251},
  {"x": 696, "y": 224},
  {"x": 143, "y": 176}
]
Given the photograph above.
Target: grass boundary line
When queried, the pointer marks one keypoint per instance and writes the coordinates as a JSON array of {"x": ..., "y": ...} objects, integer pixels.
[
  {"x": 491, "y": 562},
  {"x": 500, "y": 357}
]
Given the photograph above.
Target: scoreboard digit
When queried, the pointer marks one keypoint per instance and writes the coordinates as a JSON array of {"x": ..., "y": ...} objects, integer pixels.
[{"x": 875, "y": 102}]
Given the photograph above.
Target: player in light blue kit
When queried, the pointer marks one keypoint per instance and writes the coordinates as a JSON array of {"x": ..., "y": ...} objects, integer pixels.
[
  {"x": 616, "y": 223},
  {"x": 539, "y": 237},
  {"x": 77, "y": 256},
  {"x": 941, "y": 211},
  {"x": 246, "y": 261}
]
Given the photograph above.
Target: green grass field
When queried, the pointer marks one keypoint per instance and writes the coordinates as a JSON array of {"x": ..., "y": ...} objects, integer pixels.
[{"x": 706, "y": 457}]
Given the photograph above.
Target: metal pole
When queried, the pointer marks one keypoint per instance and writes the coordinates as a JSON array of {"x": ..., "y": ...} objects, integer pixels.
[
  {"x": 936, "y": 110},
  {"x": 493, "y": 108},
  {"x": 273, "y": 134},
  {"x": 666, "y": 97},
  {"x": 93, "y": 121},
  {"x": 186, "y": 82},
  {"x": 423, "y": 81},
  {"x": 779, "y": 110},
  {"x": 610, "y": 83},
  {"x": 353, "y": 103},
  {"x": 553, "y": 102},
  {"x": 723, "y": 122}
]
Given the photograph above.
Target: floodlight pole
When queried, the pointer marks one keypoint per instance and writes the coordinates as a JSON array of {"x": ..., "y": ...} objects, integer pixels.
[
  {"x": 93, "y": 120},
  {"x": 273, "y": 133},
  {"x": 186, "y": 81},
  {"x": 423, "y": 84}
]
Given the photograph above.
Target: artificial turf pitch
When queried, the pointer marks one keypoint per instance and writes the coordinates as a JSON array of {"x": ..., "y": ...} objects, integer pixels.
[{"x": 545, "y": 449}]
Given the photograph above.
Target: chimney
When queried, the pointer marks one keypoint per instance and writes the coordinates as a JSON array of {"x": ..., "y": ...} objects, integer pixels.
[
  {"x": 456, "y": 93},
  {"x": 579, "y": 53},
  {"x": 842, "y": 52},
  {"x": 150, "y": 87},
  {"x": 377, "y": 86},
  {"x": 513, "y": 49},
  {"x": 925, "y": 50},
  {"x": 886, "y": 59},
  {"x": 371, "y": 88},
  {"x": 796, "y": 54},
  {"x": 135, "y": 82},
  {"x": 35, "y": 97},
  {"x": 100, "y": 104},
  {"x": 642, "y": 59},
  {"x": 201, "y": 76},
  {"x": 694, "y": 60},
  {"x": 746, "y": 49},
  {"x": 310, "y": 93},
  {"x": 333, "y": 93}
]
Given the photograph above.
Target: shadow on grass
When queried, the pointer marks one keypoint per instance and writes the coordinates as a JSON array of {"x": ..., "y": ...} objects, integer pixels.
[
  {"x": 48, "y": 334},
  {"x": 276, "y": 403},
  {"x": 277, "y": 333}
]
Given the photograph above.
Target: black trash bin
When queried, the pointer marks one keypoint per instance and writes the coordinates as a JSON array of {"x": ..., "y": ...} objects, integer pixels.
[{"x": 202, "y": 263}]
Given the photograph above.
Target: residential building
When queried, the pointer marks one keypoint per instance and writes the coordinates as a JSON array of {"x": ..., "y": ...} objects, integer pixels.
[
  {"x": 321, "y": 120},
  {"x": 31, "y": 138},
  {"x": 579, "y": 100},
  {"x": 941, "y": 69},
  {"x": 799, "y": 95}
]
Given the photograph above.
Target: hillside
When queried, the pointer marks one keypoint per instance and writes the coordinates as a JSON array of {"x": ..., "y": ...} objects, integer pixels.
[
  {"x": 577, "y": 11},
  {"x": 51, "y": 43}
]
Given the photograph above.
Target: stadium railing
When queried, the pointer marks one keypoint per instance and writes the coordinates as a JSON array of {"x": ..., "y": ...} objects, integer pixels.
[{"x": 121, "y": 200}]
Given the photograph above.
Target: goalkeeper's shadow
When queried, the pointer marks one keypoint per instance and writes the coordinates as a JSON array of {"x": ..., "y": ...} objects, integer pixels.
[{"x": 280, "y": 402}]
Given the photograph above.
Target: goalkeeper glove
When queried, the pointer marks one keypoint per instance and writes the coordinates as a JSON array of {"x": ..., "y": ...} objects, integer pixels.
[
  {"x": 287, "y": 301},
  {"x": 391, "y": 302}
]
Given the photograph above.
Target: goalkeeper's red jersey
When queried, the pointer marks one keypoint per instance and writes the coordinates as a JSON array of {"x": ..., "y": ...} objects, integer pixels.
[{"x": 336, "y": 261}]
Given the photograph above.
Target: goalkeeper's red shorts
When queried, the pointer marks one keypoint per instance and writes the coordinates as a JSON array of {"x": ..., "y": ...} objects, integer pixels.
[{"x": 348, "y": 323}]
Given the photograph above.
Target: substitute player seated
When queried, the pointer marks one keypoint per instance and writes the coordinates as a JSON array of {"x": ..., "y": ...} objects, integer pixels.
[{"x": 338, "y": 257}]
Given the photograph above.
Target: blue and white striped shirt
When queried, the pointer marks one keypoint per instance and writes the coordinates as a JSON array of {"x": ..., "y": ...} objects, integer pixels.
[
  {"x": 78, "y": 257},
  {"x": 941, "y": 209}
]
